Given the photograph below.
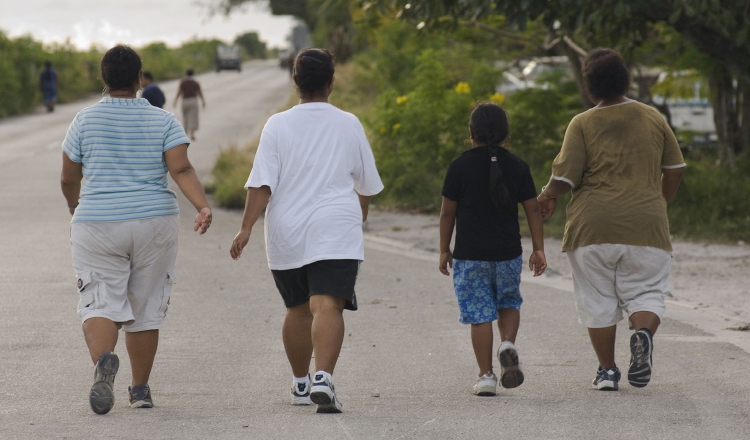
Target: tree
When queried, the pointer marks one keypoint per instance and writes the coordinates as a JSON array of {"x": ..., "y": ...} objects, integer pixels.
[
  {"x": 718, "y": 28},
  {"x": 329, "y": 21},
  {"x": 252, "y": 44}
]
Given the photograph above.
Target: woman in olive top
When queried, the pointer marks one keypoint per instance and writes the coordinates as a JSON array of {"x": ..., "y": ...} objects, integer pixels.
[{"x": 624, "y": 165}]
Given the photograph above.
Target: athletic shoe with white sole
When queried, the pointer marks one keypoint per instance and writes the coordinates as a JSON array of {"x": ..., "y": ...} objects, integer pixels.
[
  {"x": 485, "y": 386},
  {"x": 323, "y": 394},
  {"x": 140, "y": 396},
  {"x": 301, "y": 393},
  {"x": 641, "y": 349},
  {"x": 102, "y": 395},
  {"x": 607, "y": 380},
  {"x": 511, "y": 375}
]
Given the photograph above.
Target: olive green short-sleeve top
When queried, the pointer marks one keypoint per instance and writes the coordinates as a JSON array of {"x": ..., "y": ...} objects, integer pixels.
[{"x": 613, "y": 158}]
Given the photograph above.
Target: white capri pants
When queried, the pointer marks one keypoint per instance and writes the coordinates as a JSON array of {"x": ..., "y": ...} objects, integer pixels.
[
  {"x": 609, "y": 279},
  {"x": 125, "y": 270}
]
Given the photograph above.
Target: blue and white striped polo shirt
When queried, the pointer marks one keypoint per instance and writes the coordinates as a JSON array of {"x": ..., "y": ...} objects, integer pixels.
[{"x": 121, "y": 143}]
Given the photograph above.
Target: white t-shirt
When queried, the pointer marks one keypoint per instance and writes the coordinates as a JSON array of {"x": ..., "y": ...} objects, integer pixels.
[{"x": 313, "y": 157}]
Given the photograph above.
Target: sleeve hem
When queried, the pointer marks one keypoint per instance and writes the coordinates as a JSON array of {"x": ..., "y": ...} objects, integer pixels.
[
  {"x": 564, "y": 179},
  {"x": 672, "y": 167}
]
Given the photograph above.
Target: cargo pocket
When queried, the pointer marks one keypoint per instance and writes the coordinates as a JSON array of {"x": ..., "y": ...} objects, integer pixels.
[
  {"x": 168, "y": 282},
  {"x": 87, "y": 291}
]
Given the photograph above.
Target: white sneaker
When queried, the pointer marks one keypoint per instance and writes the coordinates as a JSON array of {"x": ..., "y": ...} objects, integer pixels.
[
  {"x": 301, "y": 393},
  {"x": 323, "y": 394},
  {"x": 486, "y": 385},
  {"x": 511, "y": 375}
]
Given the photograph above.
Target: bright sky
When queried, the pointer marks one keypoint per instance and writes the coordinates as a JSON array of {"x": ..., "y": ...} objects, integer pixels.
[{"x": 135, "y": 22}]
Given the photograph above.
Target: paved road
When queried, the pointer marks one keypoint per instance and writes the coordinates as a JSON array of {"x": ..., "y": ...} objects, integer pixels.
[{"x": 221, "y": 370}]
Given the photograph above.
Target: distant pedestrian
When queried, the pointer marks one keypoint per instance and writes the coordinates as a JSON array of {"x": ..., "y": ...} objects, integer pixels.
[
  {"x": 151, "y": 92},
  {"x": 125, "y": 222},
  {"x": 190, "y": 91},
  {"x": 48, "y": 84},
  {"x": 481, "y": 193},
  {"x": 315, "y": 172},
  {"x": 624, "y": 165}
]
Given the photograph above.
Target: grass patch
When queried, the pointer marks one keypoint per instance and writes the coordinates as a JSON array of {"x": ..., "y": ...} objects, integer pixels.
[{"x": 232, "y": 169}]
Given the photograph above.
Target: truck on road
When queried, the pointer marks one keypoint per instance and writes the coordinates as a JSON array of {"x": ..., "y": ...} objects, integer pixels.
[{"x": 228, "y": 57}]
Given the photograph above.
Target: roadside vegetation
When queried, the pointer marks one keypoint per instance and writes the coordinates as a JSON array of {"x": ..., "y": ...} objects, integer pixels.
[{"x": 22, "y": 60}]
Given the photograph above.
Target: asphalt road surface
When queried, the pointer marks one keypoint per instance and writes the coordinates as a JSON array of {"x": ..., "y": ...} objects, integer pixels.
[{"x": 406, "y": 368}]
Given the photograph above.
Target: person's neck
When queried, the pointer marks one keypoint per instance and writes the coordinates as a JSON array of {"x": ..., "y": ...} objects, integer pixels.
[
  {"x": 122, "y": 94},
  {"x": 612, "y": 101},
  {"x": 313, "y": 99}
]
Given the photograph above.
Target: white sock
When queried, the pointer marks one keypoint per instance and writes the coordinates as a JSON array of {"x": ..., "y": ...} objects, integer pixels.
[{"x": 298, "y": 380}]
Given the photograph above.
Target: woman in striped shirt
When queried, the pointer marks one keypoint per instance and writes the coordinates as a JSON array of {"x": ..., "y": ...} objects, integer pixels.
[{"x": 125, "y": 222}]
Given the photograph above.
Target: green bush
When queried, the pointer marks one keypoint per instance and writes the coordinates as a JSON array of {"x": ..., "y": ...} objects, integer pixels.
[{"x": 230, "y": 174}]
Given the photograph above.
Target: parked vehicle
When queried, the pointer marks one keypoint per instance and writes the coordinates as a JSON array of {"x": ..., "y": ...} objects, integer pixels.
[{"x": 228, "y": 57}]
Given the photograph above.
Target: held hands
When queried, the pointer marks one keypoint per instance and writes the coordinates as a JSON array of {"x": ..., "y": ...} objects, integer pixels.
[
  {"x": 537, "y": 262},
  {"x": 239, "y": 243},
  {"x": 203, "y": 220},
  {"x": 546, "y": 205},
  {"x": 446, "y": 259}
]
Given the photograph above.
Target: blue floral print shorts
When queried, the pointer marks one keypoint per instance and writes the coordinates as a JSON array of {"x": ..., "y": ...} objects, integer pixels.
[{"x": 484, "y": 287}]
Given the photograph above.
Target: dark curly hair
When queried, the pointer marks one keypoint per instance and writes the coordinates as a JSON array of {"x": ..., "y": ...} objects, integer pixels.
[
  {"x": 313, "y": 72},
  {"x": 489, "y": 127},
  {"x": 605, "y": 75},
  {"x": 120, "y": 68}
]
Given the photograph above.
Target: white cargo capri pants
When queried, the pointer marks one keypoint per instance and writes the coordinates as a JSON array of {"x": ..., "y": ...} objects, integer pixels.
[
  {"x": 609, "y": 279},
  {"x": 125, "y": 270}
]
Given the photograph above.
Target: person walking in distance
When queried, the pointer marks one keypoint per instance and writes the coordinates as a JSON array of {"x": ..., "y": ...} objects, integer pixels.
[
  {"x": 48, "y": 84},
  {"x": 623, "y": 164},
  {"x": 190, "y": 91},
  {"x": 481, "y": 193},
  {"x": 151, "y": 92},
  {"x": 314, "y": 173},
  {"x": 125, "y": 223}
]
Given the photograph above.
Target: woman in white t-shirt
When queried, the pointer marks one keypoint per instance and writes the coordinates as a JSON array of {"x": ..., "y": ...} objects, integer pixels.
[{"x": 314, "y": 173}]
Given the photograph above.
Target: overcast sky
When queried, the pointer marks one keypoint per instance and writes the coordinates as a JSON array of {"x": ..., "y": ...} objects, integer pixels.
[{"x": 135, "y": 22}]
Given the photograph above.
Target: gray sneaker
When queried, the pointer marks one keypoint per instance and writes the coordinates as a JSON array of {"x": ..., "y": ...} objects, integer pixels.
[
  {"x": 140, "y": 396},
  {"x": 102, "y": 395}
]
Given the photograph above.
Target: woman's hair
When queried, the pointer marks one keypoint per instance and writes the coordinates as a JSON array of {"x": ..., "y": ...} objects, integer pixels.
[
  {"x": 313, "y": 72},
  {"x": 189, "y": 72},
  {"x": 489, "y": 127},
  {"x": 605, "y": 74},
  {"x": 120, "y": 68}
]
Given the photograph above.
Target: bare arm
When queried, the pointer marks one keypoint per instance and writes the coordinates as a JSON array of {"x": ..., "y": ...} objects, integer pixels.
[
  {"x": 447, "y": 222},
  {"x": 256, "y": 202},
  {"x": 364, "y": 203},
  {"x": 670, "y": 182},
  {"x": 183, "y": 173},
  {"x": 200, "y": 93},
  {"x": 548, "y": 198},
  {"x": 537, "y": 261},
  {"x": 179, "y": 92},
  {"x": 70, "y": 181}
]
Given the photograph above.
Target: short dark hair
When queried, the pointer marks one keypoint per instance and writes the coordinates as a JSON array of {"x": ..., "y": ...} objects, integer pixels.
[
  {"x": 313, "y": 71},
  {"x": 120, "y": 67},
  {"x": 605, "y": 74},
  {"x": 489, "y": 127},
  {"x": 48, "y": 64},
  {"x": 189, "y": 72},
  {"x": 148, "y": 76}
]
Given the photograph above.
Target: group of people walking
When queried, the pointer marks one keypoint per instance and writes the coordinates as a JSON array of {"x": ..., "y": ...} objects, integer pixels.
[{"x": 314, "y": 174}]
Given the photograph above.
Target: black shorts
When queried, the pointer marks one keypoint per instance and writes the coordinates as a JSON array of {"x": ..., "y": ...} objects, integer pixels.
[{"x": 324, "y": 277}]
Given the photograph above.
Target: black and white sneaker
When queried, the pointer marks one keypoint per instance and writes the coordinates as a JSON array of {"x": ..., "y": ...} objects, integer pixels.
[
  {"x": 301, "y": 393},
  {"x": 323, "y": 394},
  {"x": 102, "y": 395},
  {"x": 511, "y": 375},
  {"x": 607, "y": 380},
  {"x": 641, "y": 349},
  {"x": 140, "y": 396}
]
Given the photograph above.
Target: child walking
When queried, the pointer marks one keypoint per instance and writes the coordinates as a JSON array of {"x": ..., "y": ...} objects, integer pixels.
[{"x": 481, "y": 193}]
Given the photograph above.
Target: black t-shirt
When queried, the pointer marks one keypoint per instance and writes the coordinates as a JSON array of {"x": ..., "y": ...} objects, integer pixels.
[
  {"x": 485, "y": 232},
  {"x": 153, "y": 94}
]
